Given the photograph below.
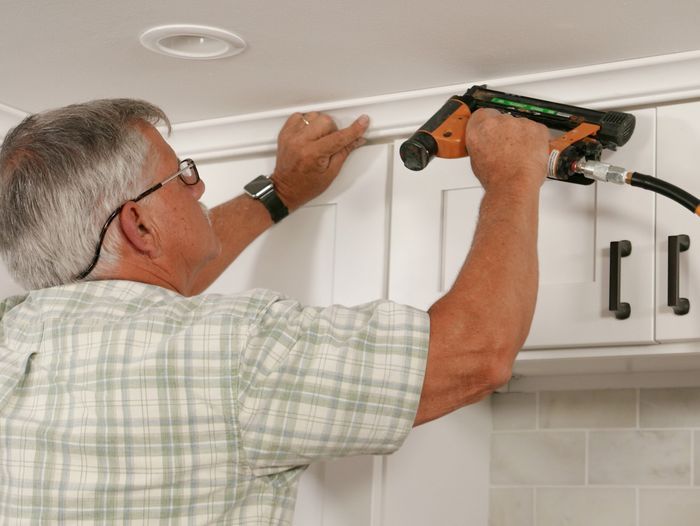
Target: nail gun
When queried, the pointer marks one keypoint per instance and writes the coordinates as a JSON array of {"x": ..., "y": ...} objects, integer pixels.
[{"x": 574, "y": 155}]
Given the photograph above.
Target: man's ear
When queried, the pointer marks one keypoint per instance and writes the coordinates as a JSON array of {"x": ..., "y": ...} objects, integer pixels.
[{"x": 138, "y": 229}]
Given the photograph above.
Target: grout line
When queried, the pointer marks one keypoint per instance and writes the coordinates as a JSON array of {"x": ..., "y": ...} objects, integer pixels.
[
  {"x": 581, "y": 431},
  {"x": 655, "y": 487},
  {"x": 585, "y": 429}
]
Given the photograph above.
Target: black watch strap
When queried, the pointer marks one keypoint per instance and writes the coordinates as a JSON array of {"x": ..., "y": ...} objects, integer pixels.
[
  {"x": 262, "y": 189},
  {"x": 274, "y": 205}
]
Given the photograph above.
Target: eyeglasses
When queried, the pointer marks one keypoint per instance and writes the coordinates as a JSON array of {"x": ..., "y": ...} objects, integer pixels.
[{"x": 187, "y": 173}]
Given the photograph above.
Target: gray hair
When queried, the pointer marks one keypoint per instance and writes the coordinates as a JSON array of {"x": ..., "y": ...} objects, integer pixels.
[{"x": 62, "y": 172}]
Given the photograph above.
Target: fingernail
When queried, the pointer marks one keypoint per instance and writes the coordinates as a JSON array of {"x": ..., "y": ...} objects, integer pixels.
[{"x": 363, "y": 120}]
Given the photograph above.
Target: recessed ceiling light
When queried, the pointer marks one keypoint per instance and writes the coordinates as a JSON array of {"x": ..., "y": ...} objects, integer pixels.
[{"x": 192, "y": 42}]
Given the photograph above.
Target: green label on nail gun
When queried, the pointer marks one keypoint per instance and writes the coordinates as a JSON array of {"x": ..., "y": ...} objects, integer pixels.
[{"x": 528, "y": 107}]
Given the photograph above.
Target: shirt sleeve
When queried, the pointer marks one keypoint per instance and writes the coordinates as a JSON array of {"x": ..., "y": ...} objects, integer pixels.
[{"x": 317, "y": 383}]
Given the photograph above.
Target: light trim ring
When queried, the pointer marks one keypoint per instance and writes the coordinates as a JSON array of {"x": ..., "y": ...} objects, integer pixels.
[{"x": 192, "y": 42}]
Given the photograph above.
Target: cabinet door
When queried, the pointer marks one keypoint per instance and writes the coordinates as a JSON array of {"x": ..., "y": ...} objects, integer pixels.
[
  {"x": 331, "y": 251},
  {"x": 434, "y": 214},
  {"x": 678, "y": 141}
]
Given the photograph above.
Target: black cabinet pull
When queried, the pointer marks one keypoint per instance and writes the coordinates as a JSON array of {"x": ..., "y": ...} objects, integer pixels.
[
  {"x": 676, "y": 245},
  {"x": 618, "y": 250}
]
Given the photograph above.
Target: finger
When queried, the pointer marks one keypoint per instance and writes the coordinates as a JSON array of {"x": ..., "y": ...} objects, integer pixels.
[
  {"x": 339, "y": 158},
  {"x": 292, "y": 122},
  {"x": 336, "y": 141},
  {"x": 298, "y": 122},
  {"x": 305, "y": 120},
  {"x": 321, "y": 125},
  {"x": 483, "y": 114}
]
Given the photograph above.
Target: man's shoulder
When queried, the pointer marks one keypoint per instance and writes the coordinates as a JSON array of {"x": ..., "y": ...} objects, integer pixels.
[
  {"x": 250, "y": 302},
  {"x": 117, "y": 298},
  {"x": 7, "y": 304}
]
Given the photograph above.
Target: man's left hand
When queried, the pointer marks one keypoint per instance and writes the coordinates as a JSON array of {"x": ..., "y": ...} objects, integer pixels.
[{"x": 310, "y": 152}]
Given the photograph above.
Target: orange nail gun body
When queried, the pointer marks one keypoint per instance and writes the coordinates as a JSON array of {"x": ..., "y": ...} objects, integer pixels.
[{"x": 587, "y": 132}]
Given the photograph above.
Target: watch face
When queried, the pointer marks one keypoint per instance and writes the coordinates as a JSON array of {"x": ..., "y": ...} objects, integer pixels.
[{"x": 258, "y": 186}]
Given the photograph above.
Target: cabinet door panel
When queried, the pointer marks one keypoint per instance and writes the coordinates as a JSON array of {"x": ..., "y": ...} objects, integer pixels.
[
  {"x": 330, "y": 251},
  {"x": 333, "y": 250},
  {"x": 433, "y": 219},
  {"x": 677, "y": 142}
]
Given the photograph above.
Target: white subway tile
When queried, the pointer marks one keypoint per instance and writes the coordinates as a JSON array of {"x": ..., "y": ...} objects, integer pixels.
[
  {"x": 669, "y": 507},
  {"x": 549, "y": 458},
  {"x": 588, "y": 409},
  {"x": 511, "y": 507},
  {"x": 639, "y": 457},
  {"x": 679, "y": 407},
  {"x": 586, "y": 507},
  {"x": 514, "y": 411}
]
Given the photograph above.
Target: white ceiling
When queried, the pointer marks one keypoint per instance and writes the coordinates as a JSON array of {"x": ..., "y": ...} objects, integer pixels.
[{"x": 300, "y": 52}]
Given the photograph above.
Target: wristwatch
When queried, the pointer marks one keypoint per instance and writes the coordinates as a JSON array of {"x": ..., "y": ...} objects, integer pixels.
[{"x": 262, "y": 189}]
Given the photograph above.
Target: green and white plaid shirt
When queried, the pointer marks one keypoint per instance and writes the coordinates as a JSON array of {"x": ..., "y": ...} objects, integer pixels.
[{"x": 125, "y": 402}]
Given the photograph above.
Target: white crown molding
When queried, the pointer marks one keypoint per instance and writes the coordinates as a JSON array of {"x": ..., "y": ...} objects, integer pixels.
[
  {"x": 619, "y": 85},
  {"x": 638, "y": 82}
]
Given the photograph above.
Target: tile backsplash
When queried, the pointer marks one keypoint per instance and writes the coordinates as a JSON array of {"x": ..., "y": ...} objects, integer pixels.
[{"x": 622, "y": 457}]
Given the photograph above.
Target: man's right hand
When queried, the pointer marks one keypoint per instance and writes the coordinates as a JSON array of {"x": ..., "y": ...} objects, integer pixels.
[{"x": 507, "y": 152}]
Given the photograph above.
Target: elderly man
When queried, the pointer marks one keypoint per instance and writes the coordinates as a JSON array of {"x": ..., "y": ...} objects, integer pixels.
[{"x": 128, "y": 395}]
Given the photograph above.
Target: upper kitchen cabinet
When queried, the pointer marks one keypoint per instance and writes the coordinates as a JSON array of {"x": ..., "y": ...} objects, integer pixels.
[
  {"x": 330, "y": 251},
  {"x": 678, "y": 141},
  {"x": 434, "y": 214}
]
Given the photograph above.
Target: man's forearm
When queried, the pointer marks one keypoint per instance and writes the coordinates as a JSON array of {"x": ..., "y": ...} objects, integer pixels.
[
  {"x": 477, "y": 328},
  {"x": 237, "y": 223},
  {"x": 480, "y": 324},
  {"x": 501, "y": 272}
]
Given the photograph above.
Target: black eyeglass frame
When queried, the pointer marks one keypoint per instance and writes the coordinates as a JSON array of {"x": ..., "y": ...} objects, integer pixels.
[{"x": 188, "y": 165}]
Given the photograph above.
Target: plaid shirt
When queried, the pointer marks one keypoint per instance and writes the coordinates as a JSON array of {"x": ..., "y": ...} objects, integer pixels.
[{"x": 125, "y": 402}]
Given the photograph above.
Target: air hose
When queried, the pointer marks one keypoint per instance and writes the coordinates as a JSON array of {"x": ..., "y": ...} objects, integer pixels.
[
  {"x": 615, "y": 174},
  {"x": 666, "y": 189}
]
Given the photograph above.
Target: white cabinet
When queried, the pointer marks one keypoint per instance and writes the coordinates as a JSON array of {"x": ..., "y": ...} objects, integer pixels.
[
  {"x": 336, "y": 250},
  {"x": 678, "y": 143},
  {"x": 433, "y": 218},
  {"x": 331, "y": 251}
]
